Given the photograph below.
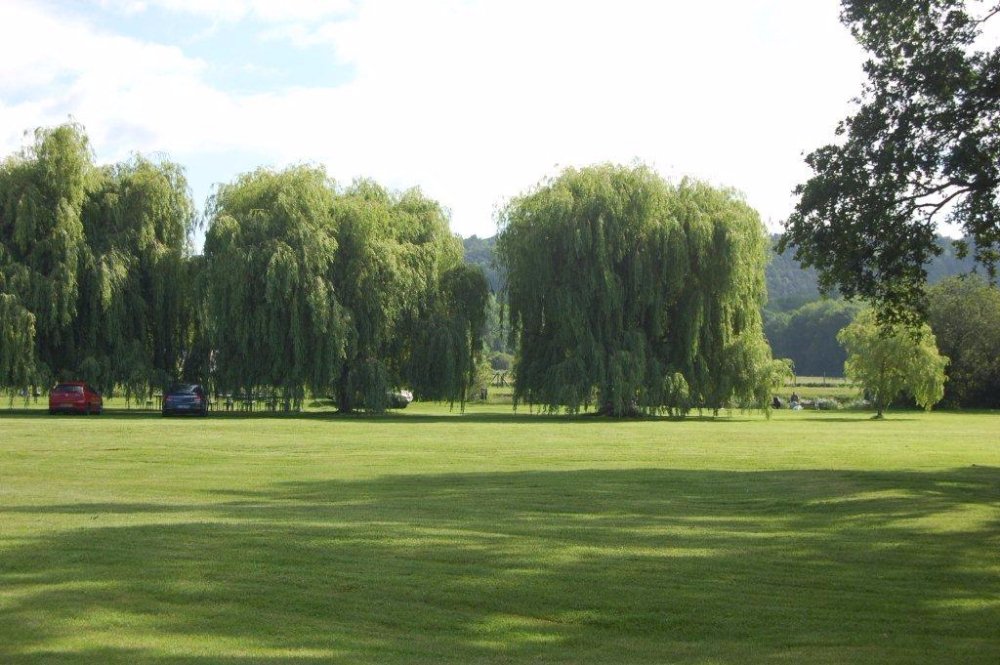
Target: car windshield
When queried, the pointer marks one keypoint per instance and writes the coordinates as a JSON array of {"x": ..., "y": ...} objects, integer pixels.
[
  {"x": 184, "y": 389},
  {"x": 67, "y": 389}
]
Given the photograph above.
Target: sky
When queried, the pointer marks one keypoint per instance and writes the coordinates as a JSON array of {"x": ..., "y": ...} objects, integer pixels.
[{"x": 473, "y": 101}]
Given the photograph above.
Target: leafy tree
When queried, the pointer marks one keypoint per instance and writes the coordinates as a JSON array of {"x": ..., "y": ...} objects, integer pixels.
[
  {"x": 965, "y": 318},
  {"x": 91, "y": 265},
  {"x": 922, "y": 146},
  {"x": 197, "y": 363},
  {"x": 416, "y": 313},
  {"x": 639, "y": 296},
  {"x": 17, "y": 338},
  {"x": 888, "y": 360},
  {"x": 357, "y": 292},
  {"x": 136, "y": 299},
  {"x": 274, "y": 319},
  {"x": 446, "y": 355},
  {"x": 43, "y": 189}
]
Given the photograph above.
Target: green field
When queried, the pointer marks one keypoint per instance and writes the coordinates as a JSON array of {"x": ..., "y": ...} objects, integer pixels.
[{"x": 430, "y": 536}]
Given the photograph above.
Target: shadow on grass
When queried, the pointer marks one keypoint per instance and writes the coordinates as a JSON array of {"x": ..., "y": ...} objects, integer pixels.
[
  {"x": 860, "y": 417},
  {"x": 588, "y": 566},
  {"x": 522, "y": 416}
]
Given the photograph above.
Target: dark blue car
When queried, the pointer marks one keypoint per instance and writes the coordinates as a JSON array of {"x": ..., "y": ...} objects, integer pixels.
[{"x": 185, "y": 398}]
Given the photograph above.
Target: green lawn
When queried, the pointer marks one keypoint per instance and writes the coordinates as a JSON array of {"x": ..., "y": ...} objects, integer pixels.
[{"x": 429, "y": 536}]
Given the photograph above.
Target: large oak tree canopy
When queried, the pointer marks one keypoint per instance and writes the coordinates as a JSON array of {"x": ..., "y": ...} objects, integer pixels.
[
  {"x": 923, "y": 147},
  {"x": 636, "y": 294}
]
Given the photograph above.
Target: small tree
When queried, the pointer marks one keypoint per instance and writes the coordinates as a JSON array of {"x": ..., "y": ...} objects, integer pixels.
[{"x": 885, "y": 361}]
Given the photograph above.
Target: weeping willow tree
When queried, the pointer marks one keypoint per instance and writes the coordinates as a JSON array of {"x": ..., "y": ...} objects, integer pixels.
[
  {"x": 888, "y": 359},
  {"x": 43, "y": 189},
  {"x": 447, "y": 339},
  {"x": 93, "y": 266},
  {"x": 197, "y": 362},
  {"x": 400, "y": 276},
  {"x": 371, "y": 285},
  {"x": 133, "y": 327},
  {"x": 313, "y": 288},
  {"x": 274, "y": 318},
  {"x": 633, "y": 295},
  {"x": 442, "y": 332},
  {"x": 17, "y": 337}
]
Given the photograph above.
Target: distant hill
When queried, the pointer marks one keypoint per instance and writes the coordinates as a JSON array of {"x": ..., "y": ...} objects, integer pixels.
[
  {"x": 479, "y": 251},
  {"x": 789, "y": 286}
]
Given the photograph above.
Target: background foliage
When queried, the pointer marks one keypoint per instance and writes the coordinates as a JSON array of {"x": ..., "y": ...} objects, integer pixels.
[{"x": 965, "y": 318}]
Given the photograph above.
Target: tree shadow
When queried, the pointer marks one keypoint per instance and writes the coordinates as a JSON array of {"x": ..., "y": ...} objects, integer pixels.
[
  {"x": 860, "y": 418},
  {"x": 521, "y": 416},
  {"x": 582, "y": 566}
]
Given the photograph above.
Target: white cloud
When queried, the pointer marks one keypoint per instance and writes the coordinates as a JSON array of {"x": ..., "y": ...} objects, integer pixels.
[
  {"x": 54, "y": 67},
  {"x": 235, "y": 10},
  {"x": 731, "y": 92},
  {"x": 474, "y": 101}
]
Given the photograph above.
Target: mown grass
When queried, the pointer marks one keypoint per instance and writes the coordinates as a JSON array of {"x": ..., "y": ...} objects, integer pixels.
[{"x": 430, "y": 536}]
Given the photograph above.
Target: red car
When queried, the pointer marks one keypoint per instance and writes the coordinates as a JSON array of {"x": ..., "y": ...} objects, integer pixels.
[{"x": 75, "y": 397}]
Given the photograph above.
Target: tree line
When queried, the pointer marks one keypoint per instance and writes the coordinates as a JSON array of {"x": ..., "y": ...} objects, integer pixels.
[
  {"x": 622, "y": 290},
  {"x": 802, "y": 326},
  {"x": 302, "y": 286}
]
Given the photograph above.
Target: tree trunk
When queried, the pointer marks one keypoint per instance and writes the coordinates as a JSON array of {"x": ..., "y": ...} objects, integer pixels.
[
  {"x": 631, "y": 411},
  {"x": 345, "y": 403}
]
